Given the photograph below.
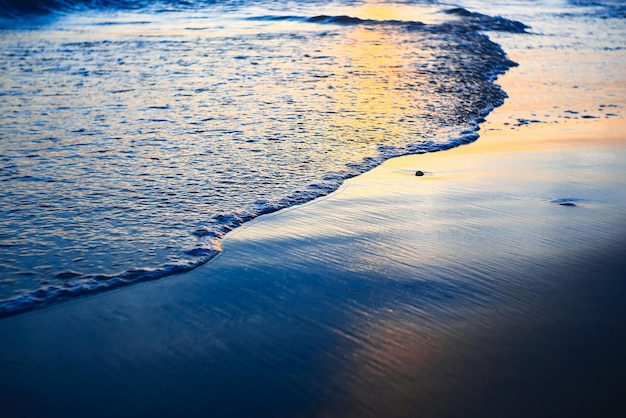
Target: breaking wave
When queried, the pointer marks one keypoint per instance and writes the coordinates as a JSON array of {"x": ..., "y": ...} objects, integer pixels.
[{"x": 252, "y": 124}]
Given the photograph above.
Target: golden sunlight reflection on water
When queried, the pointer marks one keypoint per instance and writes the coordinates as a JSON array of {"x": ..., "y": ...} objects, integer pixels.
[
  {"x": 200, "y": 122},
  {"x": 384, "y": 11},
  {"x": 376, "y": 93}
]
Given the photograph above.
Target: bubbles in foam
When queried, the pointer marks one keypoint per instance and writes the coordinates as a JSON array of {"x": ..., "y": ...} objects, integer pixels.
[{"x": 158, "y": 155}]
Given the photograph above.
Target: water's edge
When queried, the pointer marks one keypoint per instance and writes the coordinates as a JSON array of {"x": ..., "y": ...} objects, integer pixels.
[
  {"x": 209, "y": 245},
  {"x": 209, "y": 238}
]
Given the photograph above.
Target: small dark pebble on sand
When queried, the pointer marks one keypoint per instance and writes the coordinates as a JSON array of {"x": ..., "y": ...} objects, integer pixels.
[
  {"x": 419, "y": 173},
  {"x": 565, "y": 202}
]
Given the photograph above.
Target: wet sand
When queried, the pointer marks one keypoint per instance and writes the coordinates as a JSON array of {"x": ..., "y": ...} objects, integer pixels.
[{"x": 491, "y": 286}]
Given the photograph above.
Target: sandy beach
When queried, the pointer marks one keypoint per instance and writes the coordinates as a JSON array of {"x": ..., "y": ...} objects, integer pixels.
[{"x": 490, "y": 286}]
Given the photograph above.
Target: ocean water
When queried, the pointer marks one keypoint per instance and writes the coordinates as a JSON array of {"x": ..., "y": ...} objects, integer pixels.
[{"x": 134, "y": 135}]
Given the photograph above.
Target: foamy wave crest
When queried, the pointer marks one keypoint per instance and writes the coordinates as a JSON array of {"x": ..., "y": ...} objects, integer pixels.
[
  {"x": 16, "y": 8},
  {"x": 334, "y": 20},
  {"x": 205, "y": 175},
  {"x": 210, "y": 235},
  {"x": 485, "y": 22},
  {"x": 89, "y": 284},
  {"x": 476, "y": 20}
]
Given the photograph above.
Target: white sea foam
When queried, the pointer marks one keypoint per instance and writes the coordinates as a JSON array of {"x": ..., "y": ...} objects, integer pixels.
[{"x": 127, "y": 153}]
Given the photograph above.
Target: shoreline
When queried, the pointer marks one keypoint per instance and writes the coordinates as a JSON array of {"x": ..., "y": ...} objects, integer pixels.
[
  {"x": 470, "y": 291},
  {"x": 491, "y": 286}
]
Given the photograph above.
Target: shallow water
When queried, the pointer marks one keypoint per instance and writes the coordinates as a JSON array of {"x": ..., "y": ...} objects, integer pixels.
[
  {"x": 473, "y": 296},
  {"x": 132, "y": 140},
  {"x": 134, "y": 136}
]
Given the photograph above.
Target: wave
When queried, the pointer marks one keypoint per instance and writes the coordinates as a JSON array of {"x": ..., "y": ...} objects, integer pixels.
[
  {"x": 20, "y": 8},
  {"x": 89, "y": 284},
  {"x": 492, "y": 61},
  {"x": 477, "y": 21},
  {"x": 334, "y": 20},
  {"x": 25, "y": 8},
  {"x": 209, "y": 238},
  {"x": 485, "y": 22}
]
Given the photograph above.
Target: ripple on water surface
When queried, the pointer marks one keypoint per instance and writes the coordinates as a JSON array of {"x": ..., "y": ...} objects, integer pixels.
[{"x": 129, "y": 149}]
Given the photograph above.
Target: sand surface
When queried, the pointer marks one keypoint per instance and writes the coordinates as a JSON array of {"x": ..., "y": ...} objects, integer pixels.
[{"x": 491, "y": 286}]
